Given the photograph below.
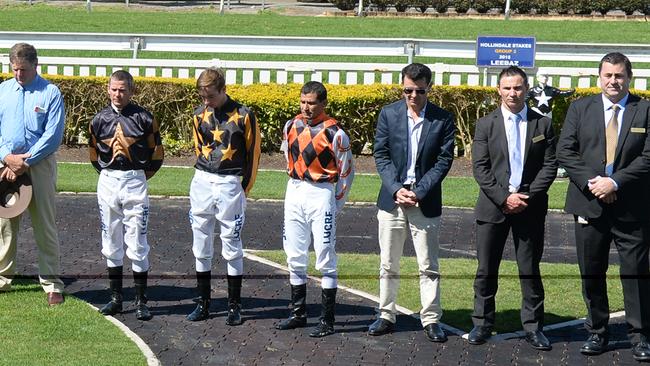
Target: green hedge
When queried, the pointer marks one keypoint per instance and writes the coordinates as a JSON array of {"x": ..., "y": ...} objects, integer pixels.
[
  {"x": 518, "y": 6},
  {"x": 355, "y": 106}
]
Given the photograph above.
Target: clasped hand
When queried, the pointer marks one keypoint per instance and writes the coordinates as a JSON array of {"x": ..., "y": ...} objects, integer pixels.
[
  {"x": 515, "y": 203},
  {"x": 15, "y": 166},
  {"x": 603, "y": 188},
  {"x": 405, "y": 197}
]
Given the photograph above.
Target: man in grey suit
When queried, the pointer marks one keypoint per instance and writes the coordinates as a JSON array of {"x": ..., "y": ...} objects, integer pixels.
[
  {"x": 513, "y": 157},
  {"x": 609, "y": 195},
  {"x": 414, "y": 146}
]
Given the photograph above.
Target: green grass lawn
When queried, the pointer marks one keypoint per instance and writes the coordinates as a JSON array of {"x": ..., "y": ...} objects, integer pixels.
[
  {"x": 175, "y": 181},
  {"x": 111, "y": 19},
  {"x": 561, "y": 282},
  {"x": 32, "y": 333},
  {"x": 74, "y": 18}
]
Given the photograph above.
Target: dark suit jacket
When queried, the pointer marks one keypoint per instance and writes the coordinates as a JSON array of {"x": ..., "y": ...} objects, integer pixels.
[
  {"x": 582, "y": 152},
  {"x": 434, "y": 158},
  {"x": 491, "y": 165}
]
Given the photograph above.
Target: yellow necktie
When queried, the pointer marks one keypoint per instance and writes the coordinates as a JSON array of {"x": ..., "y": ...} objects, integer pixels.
[{"x": 611, "y": 135}]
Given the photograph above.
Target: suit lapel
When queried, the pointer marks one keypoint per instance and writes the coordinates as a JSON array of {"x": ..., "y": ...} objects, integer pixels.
[
  {"x": 500, "y": 131},
  {"x": 531, "y": 127},
  {"x": 426, "y": 126},
  {"x": 628, "y": 116},
  {"x": 402, "y": 129},
  {"x": 597, "y": 115}
]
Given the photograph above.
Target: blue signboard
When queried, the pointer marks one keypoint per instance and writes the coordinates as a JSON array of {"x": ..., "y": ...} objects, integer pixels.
[{"x": 497, "y": 51}]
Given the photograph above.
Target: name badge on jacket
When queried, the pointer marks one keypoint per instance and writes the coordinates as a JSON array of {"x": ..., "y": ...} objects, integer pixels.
[{"x": 538, "y": 138}]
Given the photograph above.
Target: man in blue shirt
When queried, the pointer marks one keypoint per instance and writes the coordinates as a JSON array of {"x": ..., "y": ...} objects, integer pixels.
[{"x": 31, "y": 128}]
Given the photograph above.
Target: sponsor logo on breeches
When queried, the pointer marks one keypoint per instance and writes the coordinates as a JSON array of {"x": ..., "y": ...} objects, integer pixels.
[
  {"x": 238, "y": 225},
  {"x": 327, "y": 228}
]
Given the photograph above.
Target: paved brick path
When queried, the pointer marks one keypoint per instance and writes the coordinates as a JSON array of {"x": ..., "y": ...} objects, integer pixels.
[{"x": 176, "y": 341}]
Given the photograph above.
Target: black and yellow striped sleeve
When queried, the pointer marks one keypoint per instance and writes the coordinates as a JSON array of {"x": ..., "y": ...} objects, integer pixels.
[
  {"x": 253, "y": 151},
  {"x": 92, "y": 147},
  {"x": 154, "y": 143}
]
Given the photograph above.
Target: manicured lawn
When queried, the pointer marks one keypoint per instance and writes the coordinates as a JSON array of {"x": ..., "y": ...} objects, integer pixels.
[
  {"x": 561, "y": 282},
  {"x": 74, "y": 18},
  {"x": 174, "y": 181},
  {"x": 69, "y": 334}
]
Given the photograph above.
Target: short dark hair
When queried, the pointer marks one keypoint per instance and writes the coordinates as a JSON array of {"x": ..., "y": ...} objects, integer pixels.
[
  {"x": 416, "y": 71},
  {"x": 315, "y": 87},
  {"x": 211, "y": 76},
  {"x": 121, "y": 75},
  {"x": 616, "y": 58},
  {"x": 513, "y": 71},
  {"x": 23, "y": 52}
]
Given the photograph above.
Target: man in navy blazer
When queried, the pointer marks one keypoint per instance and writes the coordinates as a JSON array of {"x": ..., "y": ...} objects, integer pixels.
[
  {"x": 514, "y": 164},
  {"x": 605, "y": 148},
  {"x": 414, "y": 146}
]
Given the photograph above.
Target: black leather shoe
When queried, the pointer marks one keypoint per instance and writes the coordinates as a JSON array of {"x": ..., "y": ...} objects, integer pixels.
[
  {"x": 479, "y": 334},
  {"x": 292, "y": 322},
  {"x": 114, "y": 306},
  {"x": 641, "y": 351},
  {"x": 234, "y": 315},
  {"x": 201, "y": 312},
  {"x": 538, "y": 340},
  {"x": 435, "y": 333},
  {"x": 142, "y": 311},
  {"x": 380, "y": 327},
  {"x": 595, "y": 345},
  {"x": 322, "y": 329}
]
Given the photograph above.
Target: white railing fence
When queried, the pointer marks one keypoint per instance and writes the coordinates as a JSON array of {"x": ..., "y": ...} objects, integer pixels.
[{"x": 250, "y": 72}]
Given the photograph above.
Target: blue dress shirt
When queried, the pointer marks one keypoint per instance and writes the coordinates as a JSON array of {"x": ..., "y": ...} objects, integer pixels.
[{"x": 37, "y": 128}]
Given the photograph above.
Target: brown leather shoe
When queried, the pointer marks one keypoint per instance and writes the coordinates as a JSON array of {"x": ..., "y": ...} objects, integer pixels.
[{"x": 54, "y": 298}]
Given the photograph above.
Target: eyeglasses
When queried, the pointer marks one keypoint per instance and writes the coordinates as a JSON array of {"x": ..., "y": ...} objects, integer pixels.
[{"x": 408, "y": 91}]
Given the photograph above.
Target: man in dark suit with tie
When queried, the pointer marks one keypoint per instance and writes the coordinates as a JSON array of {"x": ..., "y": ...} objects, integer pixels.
[
  {"x": 414, "y": 146},
  {"x": 513, "y": 157},
  {"x": 609, "y": 196}
]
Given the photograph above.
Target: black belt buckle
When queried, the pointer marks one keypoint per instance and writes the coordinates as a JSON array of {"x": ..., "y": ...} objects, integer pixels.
[{"x": 408, "y": 186}]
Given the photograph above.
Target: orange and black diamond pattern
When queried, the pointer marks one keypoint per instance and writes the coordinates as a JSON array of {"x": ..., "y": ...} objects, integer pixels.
[{"x": 310, "y": 155}]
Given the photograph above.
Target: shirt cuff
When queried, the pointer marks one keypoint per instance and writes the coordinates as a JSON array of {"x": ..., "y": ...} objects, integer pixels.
[{"x": 614, "y": 182}]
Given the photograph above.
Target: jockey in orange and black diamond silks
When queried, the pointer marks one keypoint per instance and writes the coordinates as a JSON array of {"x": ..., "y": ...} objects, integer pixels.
[
  {"x": 319, "y": 151},
  {"x": 227, "y": 141},
  {"x": 125, "y": 140}
]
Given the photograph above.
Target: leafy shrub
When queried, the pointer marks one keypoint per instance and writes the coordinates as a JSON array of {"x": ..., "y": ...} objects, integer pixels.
[
  {"x": 462, "y": 6},
  {"x": 344, "y": 4},
  {"x": 402, "y": 5},
  {"x": 356, "y": 107},
  {"x": 421, "y": 5},
  {"x": 381, "y": 5},
  {"x": 440, "y": 5},
  {"x": 521, "y": 6}
]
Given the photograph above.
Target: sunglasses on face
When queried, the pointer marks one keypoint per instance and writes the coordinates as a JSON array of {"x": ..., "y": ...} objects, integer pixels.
[{"x": 408, "y": 91}]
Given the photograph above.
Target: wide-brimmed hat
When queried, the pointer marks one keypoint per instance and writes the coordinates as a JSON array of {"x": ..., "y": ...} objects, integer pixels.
[{"x": 15, "y": 196}]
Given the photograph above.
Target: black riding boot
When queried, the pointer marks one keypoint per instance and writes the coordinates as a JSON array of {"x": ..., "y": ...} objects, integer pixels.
[
  {"x": 141, "y": 310},
  {"x": 326, "y": 322},
  {"x": 203, "y": 286},
  {"x": 115, "y": 282},
  {"x": 298, "y": 316},
  {"x": 234, "y": 300}
]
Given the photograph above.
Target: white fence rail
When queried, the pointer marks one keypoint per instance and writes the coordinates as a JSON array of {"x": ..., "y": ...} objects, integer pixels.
[
  {"x": 554, "y": 51},
  {"x": 249, "y": 72}
]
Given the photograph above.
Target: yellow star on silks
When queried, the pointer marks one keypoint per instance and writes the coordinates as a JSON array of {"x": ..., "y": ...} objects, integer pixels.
[
  {"x": 217, "y": 134},
  {"x": 233, "y": 116},
  {"x": 206, "y": 116},
  {"x": 228, "y": 153},
  {"x": 206, "y": 150},
  {"x": 119, "y": 143}
]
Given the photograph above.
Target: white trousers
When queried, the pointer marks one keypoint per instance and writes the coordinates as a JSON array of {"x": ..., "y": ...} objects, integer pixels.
[
  {"x": 393, "y": 227},
  {"x": 42, "y": 211},
  {"x": 310, "y": 208},
  {"x": 124, "y": 216},
  {"x": 213, "y": 198}
]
